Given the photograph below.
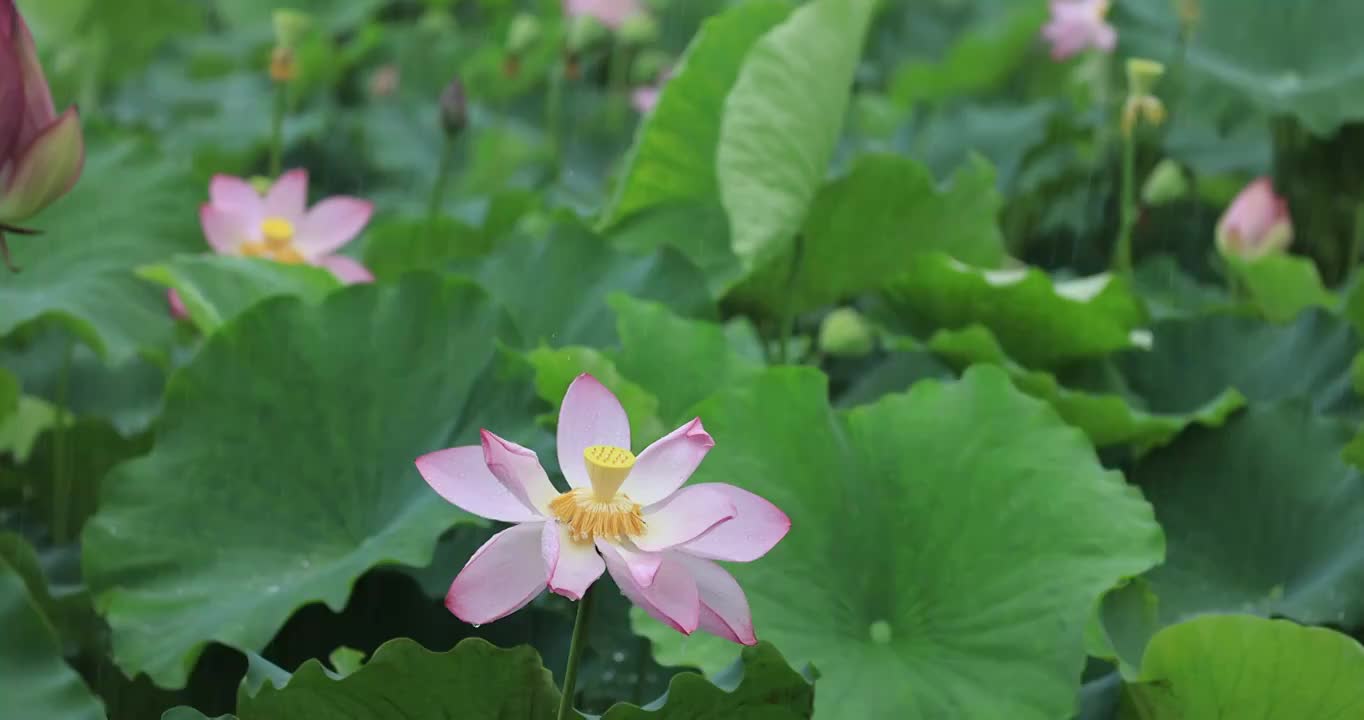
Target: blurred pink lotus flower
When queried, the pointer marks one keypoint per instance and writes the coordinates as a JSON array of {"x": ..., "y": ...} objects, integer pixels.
[
  {"x": 626, "y": 514},
  {"x": 611, "y": 13},
  {"x": 1256, "y": 223},
  {"x": 41, "y": 153},
  {"x": 237, "y": 220},
  {"x": 1077, "y": 25},
  {"x": 645, "y": 98}
]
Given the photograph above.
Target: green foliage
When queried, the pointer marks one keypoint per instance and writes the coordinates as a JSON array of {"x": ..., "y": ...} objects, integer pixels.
[
  {"x": 293, "y": 445},
  {"x": 1035, "y": 524}
]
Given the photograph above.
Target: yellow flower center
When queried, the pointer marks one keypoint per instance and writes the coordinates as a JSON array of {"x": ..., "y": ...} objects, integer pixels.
[
  {"x": 278, "y": 244},
  {"x": 601, "y": 511}
]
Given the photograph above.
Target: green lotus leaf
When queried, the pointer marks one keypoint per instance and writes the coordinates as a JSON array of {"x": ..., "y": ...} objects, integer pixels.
[
  {"x": 1238, "y": 666},
  {"x": 131, "y": 207},
  {"x": 214, "y": 288},
  {"x": 282, "y": 467},
  {"x": 1038, "y": 321},
  {"x": 782, "y": 121},
  {"x": 960, "y": 535},
  {"x": 1107, "y": 418}
]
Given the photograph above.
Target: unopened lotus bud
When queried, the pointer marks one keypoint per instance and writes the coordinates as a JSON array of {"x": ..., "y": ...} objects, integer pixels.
[
  {"x": 584, "y": 31},
  {"x": 1256, "y": 223},
  {"x": 522, "y": 34},
  {"x": 1166, "y": 183},
  {"x": 639, "y": 30},
  {"x": 454, "y": 111},
  {"x": 41, "y": 152},
  {"x": 1142, "y": 75},
  {"x": 290, "y": 27},
  {"x": 283, "y": 65},
  {"x": 845, "y": 332}
]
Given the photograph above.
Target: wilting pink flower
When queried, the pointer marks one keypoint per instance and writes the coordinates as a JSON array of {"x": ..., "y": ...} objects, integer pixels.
[
  {"x": 626, "y": 514},
  {"x": 611, "y": 13},
  {"x": 41, "y": 153},
  {"x": 237, "y": 220},
  {"x": 1256, "y": 223},
  {"x": 1076, "y": 25}
]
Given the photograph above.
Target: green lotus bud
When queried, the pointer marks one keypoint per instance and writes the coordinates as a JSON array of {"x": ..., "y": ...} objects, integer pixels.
[
  {"x": 454, "y": 112},
  {"x": 845, "y": 332},
  {"x": 290, "y": 27},
  {"x": 1166, "y": 183},
  {"x": 523, "y": 33},
  {"x": 639, "y": 30},
  {"x": 1142, "y": 75},
  {"x": 648, "y": 66},
  {"x": 584, "y": 31}
]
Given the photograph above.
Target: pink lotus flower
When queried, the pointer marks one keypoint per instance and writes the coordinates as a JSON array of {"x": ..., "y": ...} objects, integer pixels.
[
  {"x": 611, "y": 13},
  {"x": 1256, "y": 223},
  {"x": 1076, "y": 25},
  {"x": 41, "y": 153},
  {"x": 626, "y": 514},
  {"x": 237, "y": 220}
]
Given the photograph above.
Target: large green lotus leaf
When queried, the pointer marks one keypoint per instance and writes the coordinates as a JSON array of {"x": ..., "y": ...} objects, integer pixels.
[
  {"x": 947, "y": 544},
  {"x": 1261, "y": 516},
  {"x": 1299, "y": 58},
  {"x": 1192, "y": 361},
  {"x": 978, "y": 60},
  {"x": 35, "y": 682},
  {"x": 109, "y": 40},
  {"x": 404, "y": 680},
  {"x": 1238, "y": 666},
  {"x": 556, "y": 287},
  {"x": 9, "y": 394},
  {"x": 1108, "y": 419},
  {"x": 1281, "y": 286},
  {"x": 782, "y": 121},
  {"x": 130, "y": 208},
  {"x": 397, "y": 246},
  {"x": 673, "y": 158},
  {"x": 680, "y": 361},
  {"x": 1038, "y": 321},
  {"x": 757, "y": 686},
  {"x": 215, "y": 288},
  {"x": 282, "y": 468},
  {"x": 1006, "y": 134},
  {"x": 869, "y": 227}
]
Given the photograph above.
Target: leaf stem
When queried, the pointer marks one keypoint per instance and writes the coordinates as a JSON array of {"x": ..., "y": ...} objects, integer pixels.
[
  {"x": 61, "y": 456},
  {"x": 1356, "y": 244},
  {"x": 616, "y": 83},
  {"x": 575, "y": 652},
  {"x": 1127, "y": 218},
  {"x": 788, "y": 315},
  {"x": 277, "y": 128}
]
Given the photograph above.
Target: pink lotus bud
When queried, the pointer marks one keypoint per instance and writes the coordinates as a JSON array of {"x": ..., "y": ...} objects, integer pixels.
[
  {"x": 1256, "y": 223},
  {"x": 41, "y": 153},
  {"x": 1077, "y": 25}
]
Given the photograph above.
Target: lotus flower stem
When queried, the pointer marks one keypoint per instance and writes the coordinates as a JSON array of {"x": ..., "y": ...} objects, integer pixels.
[
  {"x": 1127, "y": 216},
  {"x": 61, "y": 454},
  {"x": 277, "y": 129},
  {"x": 575, "y": 653},
  {"x": 448, "y": 150}
]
